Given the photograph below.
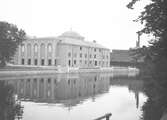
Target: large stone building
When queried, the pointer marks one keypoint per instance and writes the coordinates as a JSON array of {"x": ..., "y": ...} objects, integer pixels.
[{"x": 67, "y": 50}]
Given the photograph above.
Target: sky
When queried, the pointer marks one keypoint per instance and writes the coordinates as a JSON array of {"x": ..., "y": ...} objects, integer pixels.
[{"x": 109, "y": 22}]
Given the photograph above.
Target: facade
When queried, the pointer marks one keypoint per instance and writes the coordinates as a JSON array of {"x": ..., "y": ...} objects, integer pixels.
[
  {"x": 124, "y": 58},
  {"x": 67, "y": 50}
]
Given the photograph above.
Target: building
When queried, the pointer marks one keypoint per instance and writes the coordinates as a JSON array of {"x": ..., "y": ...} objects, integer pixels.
[
  {"x": 67, "y": 50},
  {"x": 126, "y": 57}
]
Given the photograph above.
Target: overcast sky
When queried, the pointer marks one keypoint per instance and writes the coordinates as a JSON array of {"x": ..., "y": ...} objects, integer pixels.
[{"x": 108, "y": 22}]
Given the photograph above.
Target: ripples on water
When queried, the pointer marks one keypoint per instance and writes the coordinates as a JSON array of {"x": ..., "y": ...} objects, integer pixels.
[{"x": 78, "y": 96}]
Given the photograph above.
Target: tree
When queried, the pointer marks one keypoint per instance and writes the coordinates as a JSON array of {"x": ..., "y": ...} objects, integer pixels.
[
  {"x": 154, "y": 18},
  {"x": 10, "y": 38},
  {"x": 10, "y": 107}
]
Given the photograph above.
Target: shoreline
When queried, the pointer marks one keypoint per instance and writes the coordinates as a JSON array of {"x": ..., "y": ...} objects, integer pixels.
[{"x": 53, "y": 70}]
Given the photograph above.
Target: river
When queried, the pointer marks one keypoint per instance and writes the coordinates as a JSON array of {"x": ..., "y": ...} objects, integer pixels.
[{"x": 84, "y": 96}]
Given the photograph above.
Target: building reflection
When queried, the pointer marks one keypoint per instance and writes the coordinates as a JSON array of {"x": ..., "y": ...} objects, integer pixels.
[
  {"x": 71, "y": 89},
  {"x": 67, "y": 89}
]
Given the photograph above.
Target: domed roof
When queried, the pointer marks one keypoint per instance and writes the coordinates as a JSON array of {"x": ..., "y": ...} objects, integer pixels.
[{"x": 72, "y": 34}]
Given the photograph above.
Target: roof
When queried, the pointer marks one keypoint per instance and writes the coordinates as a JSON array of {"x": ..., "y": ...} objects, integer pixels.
[
  {"x": 81, "y": 43},
  {"x": 72, "y": 34},
  {"x": 73, "y": 38}
]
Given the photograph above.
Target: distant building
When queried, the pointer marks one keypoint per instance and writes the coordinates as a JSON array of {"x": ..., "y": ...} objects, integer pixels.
[
  {"x": 67, "y": 50},
  {"x": 125, "y": 57}
]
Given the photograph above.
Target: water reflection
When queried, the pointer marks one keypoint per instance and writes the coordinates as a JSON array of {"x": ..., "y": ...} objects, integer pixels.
[
  {"x": 81, "y": 94},
  {"x": 10, "y": 108},
  {"x": 68, "y": 89}
]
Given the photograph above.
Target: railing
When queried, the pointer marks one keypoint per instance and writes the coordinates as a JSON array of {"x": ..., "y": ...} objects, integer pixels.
[{"x": 106, "y": 116}]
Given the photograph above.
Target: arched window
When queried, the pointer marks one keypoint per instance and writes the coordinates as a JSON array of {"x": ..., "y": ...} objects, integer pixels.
[
  {"x": 49, "y": 48},
  {"x": 35, "y": 48},
  {"x": 29, "y": 50},
  {"x": 42, "y": 50},
  {"x": 22, "y": 48}
]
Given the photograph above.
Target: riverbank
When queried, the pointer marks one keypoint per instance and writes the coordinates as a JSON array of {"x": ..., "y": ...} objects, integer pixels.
[{"x": 29, "y": 70}]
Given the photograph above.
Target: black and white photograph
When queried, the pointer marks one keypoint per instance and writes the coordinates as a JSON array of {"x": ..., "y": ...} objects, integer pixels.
[{"x": 83, "y": 59}]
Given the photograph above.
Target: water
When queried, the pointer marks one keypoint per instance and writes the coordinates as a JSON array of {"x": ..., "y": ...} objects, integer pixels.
[{"x": 76, "y": 96}]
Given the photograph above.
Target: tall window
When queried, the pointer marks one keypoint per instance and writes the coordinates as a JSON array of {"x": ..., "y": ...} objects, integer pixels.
[
  {"x": 75, "y": 62},
  {"x": 29, "y": 50},
  {"x": 35, "y": 48},
  {"x": 69, "y": 63},
  {"x": 49, "y": 48},
  {"x": 55, "y": 62},
  {"x": 22, "y": 48},
  {"x": 42, "y": 50},
  {"x": 80, "y": 48}
]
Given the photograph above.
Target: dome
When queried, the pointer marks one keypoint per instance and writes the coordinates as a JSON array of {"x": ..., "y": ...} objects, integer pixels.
[{"x": 71, "y": 34}]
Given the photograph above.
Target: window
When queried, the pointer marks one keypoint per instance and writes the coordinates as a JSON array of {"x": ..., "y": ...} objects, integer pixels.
[
  {"x": 42, "y": 62},
  {"x": 90, "y": 55},
  {"x": 55, "y": 62},
  {"x": 75, "y": 62},
  {"x": 69, "y": 54},
  {"x": 22, "y": 48},
  {"x": 49, "y": 62},
  {"x": 85, "y": 62},
  {"x": 69, "y": 63},
  {"x": 85, "y": 55},
  {"x": 69, "y": 81},
  {"x": 80, "y": 61},
  {"x": 80, "y": 48},
  {"x": 49, "y": 48},
  {"x": 35, "y": 48},
  {"x": 90, "y": 62},
  {"x": 49, "y": 80},
  {"x": 94, "y": 56},
  {"x": 95, "y": 49},
  {"x": 29, "y": 61},
  {"x": 35, "y": 61},
  {"x": 80, "y": 55},
  {"x": 95, "y": 78},
  {"x": 95, "y": 63},
  {"x": 22, "y": 61}
]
